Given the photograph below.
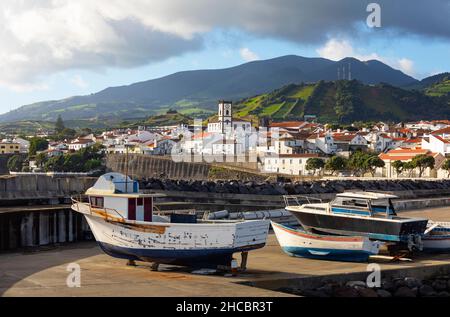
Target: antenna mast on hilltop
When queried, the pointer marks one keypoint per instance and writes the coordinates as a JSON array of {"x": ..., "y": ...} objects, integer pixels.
[{"x": 349, "y": 71}]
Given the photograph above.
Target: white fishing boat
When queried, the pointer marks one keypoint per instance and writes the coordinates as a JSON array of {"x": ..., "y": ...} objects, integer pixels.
[
  {"x": 437, "y": 237},
  {"x": 125, "y": 225},
  {"x": 299, "y": 243}
]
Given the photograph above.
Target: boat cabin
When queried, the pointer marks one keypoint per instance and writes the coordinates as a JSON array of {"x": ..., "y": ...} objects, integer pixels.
[
  {"x": 364, "y": 204},
  {"x": 118, "y": 195}
]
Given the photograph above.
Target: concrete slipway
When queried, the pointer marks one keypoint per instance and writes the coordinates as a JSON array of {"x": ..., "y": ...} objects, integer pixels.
[{"x": 44, "y": 272}]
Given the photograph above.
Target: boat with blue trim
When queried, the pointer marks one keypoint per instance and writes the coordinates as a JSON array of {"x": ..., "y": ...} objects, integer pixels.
[
  {"x": 125, "y": 224},
  {"x": 368, "y": 214},
  {"x": 299, "y": 243},
  {"x": 437, "y": 237}
]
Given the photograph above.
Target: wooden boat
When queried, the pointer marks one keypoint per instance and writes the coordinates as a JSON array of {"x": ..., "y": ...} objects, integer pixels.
[
  {"x": 299, "y": 243},
  {"x": 125, "y": 225},
  {"x": 357, "y": 213},
  {"x": 437, "y": 237}
]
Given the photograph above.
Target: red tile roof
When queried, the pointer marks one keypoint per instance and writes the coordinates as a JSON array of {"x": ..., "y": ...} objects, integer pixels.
[
  {"x": 445, "y": 130},
  {"x": 286, "y": 124},
  {"x": 404, "y": 154}
]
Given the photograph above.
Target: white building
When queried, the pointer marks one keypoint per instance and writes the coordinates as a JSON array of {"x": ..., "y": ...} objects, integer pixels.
[
  {"x": 291, "y": 164},
  {"x": 322, "y": 142},
  {"x": 79, "y": 144},
  {"x": 437, "y": 143}
]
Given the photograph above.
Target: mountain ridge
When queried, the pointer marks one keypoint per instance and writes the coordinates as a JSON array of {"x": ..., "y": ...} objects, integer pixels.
[{"x": 195, "y": 92}]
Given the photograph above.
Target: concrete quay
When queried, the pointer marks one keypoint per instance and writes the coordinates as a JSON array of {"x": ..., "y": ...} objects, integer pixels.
[{"x": 44, "y": 273}]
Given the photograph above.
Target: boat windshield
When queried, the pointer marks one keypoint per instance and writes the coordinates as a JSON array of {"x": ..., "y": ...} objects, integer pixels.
[
  {"x": 375, "y": 206},
  {"x": 383, "y": 206},
  {"x": 350, "y": 202}
]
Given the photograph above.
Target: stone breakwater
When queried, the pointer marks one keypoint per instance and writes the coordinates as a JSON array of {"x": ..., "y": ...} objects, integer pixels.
[
  {"x": 296, "y": 188},
  {"x": 393, "y": 287}
]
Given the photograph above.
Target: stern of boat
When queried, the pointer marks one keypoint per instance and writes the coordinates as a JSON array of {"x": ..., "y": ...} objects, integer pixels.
[{"x": 251, "y": 234}]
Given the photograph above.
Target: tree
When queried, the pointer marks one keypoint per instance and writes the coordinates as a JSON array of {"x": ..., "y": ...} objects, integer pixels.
[
  {"x": 40, "y": 159},
  {"x": 398, "y": 167},
  {"x": 59, "y": 125},
  {"x": 423, "y": 162},
  {"x": 54, "y": 164},
  {"x": 358, "y": 163},
  {"x": 446, "y": 167},
  {"x": 372, "y": 163},
  {"x": 335, "y": 163},
  {"x": 15, "y": 163},
  {"x": 37, "y": 144},
  {"x": 314, "y": 164},
  {"x": 409, "y": 166}
]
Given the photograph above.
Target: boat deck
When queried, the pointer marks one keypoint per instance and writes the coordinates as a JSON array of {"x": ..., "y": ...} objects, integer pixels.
[{"x": 44, "y": 273}]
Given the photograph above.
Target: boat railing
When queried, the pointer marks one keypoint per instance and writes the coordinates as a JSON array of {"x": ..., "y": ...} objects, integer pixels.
[
  {"x": 83, "y": 199},
  {"x": 290, "y": 200}
]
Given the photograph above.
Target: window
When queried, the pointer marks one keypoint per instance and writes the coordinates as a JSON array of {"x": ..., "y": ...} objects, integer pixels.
[
  {"x": 140, "y": 201},
  {"x": 97, "y": 202}
]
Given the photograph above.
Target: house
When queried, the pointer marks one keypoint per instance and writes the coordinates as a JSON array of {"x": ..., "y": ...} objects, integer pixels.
[
  {"x": 24, "y": 145},
  {"x": 290, "y": 164},
  {"x": 9, "y": 147},
  {"x": 79, "y": 144},
  {"x": 406, "y": 155},
  {"x": 437, "y": 143},
  {"x": 290, "y": 142},
  {"x": 322, "y": 142},
  {"x": 349, "y": 142}
]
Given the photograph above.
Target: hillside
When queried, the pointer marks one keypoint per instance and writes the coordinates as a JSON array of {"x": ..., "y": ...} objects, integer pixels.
[
  {"x": 427, "y": 82},
  {"x": 195, "y": 93},
  {"x": 344, "y": 101},
  {"x": 439, "y": 88},
  {"x": 169, "y": 118}
]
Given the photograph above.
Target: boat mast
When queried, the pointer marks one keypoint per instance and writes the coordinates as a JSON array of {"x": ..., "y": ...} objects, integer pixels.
[{"x": 126, "y": 168}]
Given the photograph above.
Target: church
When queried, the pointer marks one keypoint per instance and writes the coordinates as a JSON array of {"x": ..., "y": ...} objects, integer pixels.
[{"x": 225, "y": 122}]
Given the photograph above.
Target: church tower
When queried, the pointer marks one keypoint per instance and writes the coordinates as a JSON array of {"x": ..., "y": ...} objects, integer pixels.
[{"x": 225, "y": 115}]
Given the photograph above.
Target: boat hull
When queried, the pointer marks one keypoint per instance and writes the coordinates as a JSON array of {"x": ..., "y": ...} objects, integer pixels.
[
  {"x": 436, "y": 243},
  {"x": 197, "y": 245},
  {"x": 373, "y": 228},
  {"x": 438, "y": 239},
  {"x": 302, "y": 244}
]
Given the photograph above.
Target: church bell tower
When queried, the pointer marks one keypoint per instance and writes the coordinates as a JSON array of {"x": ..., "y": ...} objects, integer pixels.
[{"x": 225, "y": 115}]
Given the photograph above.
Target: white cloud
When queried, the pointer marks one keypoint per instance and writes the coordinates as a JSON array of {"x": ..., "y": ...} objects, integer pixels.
[
  {"x": 78, "y": 81},
  {"x": 336, "y": 50},
  {"x": 406, "y": 65},
  {"x": 40, "y": 38},
  {"x": 248, "y": 55}
]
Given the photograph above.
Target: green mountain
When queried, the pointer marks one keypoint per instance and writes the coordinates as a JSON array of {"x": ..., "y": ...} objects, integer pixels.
[
  {"x": 171, "y": 117},
  {"x": 344, "y": 101},
  {"x": 195, "y": 93},
  {"x": 440, "y": 88}
]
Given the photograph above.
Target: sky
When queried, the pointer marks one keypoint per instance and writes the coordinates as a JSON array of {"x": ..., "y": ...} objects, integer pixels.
[{"x": 54, "y": 49}]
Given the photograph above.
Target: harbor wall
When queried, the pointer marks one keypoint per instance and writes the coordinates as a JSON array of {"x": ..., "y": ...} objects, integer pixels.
[
  {"x": 143, "y": 166},
  {"x": 15, "y": 188},
  {"x": 31, "y": 229}
]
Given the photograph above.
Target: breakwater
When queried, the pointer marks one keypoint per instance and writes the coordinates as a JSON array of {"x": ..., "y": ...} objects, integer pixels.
[{"x": 413, "y": 187}]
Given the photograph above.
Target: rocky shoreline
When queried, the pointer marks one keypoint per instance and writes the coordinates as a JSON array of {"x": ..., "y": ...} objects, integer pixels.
[
  {"x": 292, "y": 188},
  {"x": 394, "y": 287}
]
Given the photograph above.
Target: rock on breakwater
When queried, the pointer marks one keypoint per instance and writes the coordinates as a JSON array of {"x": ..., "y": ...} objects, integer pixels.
[{"x": 438, "y": 187}]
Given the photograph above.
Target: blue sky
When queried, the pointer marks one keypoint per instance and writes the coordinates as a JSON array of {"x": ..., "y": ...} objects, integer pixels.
[{"x": 154, "y": 45}]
